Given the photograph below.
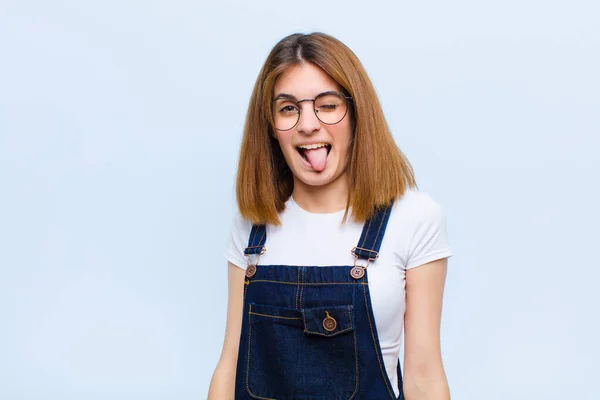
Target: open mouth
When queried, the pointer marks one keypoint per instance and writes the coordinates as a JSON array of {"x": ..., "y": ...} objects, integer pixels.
[
  {"x": 315, "y": 155},
  {"x": 304, "y": 150}
]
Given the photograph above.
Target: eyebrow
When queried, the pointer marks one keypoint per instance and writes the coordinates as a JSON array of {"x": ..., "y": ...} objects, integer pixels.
[
  {"x": 285, "y": 96},
  {"x": 292, "y": 97}
]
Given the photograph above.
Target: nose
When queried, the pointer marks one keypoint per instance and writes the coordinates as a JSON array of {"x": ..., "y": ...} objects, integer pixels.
[{"x": 308, "y": 122}]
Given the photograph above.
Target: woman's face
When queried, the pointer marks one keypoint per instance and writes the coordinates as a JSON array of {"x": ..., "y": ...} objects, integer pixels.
[{"x": 315, "y": 152}]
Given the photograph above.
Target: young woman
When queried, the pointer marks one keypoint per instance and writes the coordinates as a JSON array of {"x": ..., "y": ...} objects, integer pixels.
[{"x": 334, "y": 253}]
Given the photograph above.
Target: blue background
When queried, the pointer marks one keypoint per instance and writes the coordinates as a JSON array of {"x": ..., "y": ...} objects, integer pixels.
[{"x": 120, "y": 126}]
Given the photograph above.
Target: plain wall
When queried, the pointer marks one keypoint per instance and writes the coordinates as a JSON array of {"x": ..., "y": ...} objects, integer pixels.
[{"x": 120, "y": 126}]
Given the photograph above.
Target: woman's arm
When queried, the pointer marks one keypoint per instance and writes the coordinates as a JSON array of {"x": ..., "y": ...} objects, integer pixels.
[
  {"x": 223, "y": 380},
  {"x": 424, "y": 376}
]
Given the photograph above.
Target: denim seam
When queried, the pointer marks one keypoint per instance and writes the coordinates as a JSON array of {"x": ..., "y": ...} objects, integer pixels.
[
  {"x": 379, "y": 230},
  {"x": 252, "y": 238},
  {"x": 261, "y": 238},
  {"x": 254, "y": 231},
  {"x": 375, "y": 346},
  {"x": 248, "y": 365},
  {"x": 330, "y": 335},
  {"x": 305, "y": 284},
  {"x": 273, "y": 316},
  {"x": 297, "y": 288},
  {"x": 252, "y": 243},
  {"x": 355, "y": 356},
  {"x": 302, "y": 289},
  {"x": 366, "y": 233}
]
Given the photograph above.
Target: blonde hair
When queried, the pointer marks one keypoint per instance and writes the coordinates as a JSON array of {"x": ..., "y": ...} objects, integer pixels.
[{"x": 378, "y": 171}]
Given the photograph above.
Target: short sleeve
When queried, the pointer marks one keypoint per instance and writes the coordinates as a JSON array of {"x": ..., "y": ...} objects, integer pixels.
[
  {"x": 430, "y": 239},
  {"x": 238, "y": 239}
]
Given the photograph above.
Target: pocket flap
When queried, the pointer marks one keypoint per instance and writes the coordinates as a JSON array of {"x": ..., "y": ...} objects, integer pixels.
[{"x": 328, "y": 321}]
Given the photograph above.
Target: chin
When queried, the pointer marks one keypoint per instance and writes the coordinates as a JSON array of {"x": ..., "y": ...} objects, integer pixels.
[{"x": 316, "y": 182}]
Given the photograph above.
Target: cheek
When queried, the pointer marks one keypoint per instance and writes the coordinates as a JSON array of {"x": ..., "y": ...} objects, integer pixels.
[
  {"x": 343, "y": 136},
  {"x": 286, "y": 145},
  {"x": 288, "y": 148},
  {"x": 282, "y": 140}
]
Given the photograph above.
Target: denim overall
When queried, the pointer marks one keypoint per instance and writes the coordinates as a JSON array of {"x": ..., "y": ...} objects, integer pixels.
[{"x": 308, "y": 332}]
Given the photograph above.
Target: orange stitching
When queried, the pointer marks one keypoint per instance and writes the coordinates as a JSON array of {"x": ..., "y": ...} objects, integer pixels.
[
  {"x": 273, "y": 316},
  {"x": 363, "y": 241},
  {"x": 302, "y": 289},
  {"x": 369, "y": 250},
  {"x": 355, "y": 357},
  {"x": 367, "y": 232},
  {"x": 254, "y": 245},
  {"x": 252, "y": 239},
  {"x": 376, "y": 346},
  {"x": 376, "y": 236},
  {"x": 248, "y": 362},
  {"x": 248, "y": 366},
  {"x": 333, "y": 334},
  {"x": 263, "y": 235},
  {"x": 307, "y": 283},
  {"x": 297, "y": 289},
  {"x": 379, "y": 230}
]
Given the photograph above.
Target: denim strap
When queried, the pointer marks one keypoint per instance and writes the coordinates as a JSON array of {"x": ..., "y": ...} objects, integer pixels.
[
  {"x": 256, "y": 242},
  {"x": 368, "y": 245},
  {"x": 372, "y": 234}
]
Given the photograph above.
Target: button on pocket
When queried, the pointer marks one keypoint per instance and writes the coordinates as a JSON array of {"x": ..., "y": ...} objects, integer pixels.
[{"x": 329, "y": 323}]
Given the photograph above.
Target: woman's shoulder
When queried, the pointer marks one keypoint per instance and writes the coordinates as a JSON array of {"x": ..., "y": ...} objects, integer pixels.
[
  {"x": 238, "y": 239},
  {"x": 240, "y": 224},
  {"x": 415, "y": 209},
  {"x": 415, "y": 202},
  {"x": 419, "y": 225}
]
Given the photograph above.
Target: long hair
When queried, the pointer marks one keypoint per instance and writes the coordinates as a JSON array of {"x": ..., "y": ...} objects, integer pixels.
[{"x": 378, "y": 171}]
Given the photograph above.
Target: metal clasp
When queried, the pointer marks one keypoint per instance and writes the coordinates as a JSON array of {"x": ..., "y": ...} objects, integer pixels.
[
  {"x": 358, "y": 271},
  {"x": 253, "y": 260}
]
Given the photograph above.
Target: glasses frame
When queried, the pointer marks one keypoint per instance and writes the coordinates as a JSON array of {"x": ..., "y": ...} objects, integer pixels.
[{"x": 347, "y": 99}]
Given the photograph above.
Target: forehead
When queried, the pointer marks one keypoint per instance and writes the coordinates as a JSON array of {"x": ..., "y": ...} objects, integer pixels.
[{"x": 304, "y": 80}]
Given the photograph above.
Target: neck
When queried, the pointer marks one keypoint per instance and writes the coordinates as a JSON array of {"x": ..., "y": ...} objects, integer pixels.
[{"x": 329, "y": 198}]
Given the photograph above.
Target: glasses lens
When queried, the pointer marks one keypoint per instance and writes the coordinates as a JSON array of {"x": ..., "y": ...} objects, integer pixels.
[
  {"x": 331, "y": 108},
  {"x": 285, "y": 114}
]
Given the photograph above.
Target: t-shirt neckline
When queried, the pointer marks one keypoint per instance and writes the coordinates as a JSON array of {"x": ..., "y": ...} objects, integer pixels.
[{"x": 296, "y": 206}]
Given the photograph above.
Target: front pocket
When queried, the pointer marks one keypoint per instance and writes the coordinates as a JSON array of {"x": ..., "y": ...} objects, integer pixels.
[{"x": 301, "y": 355}]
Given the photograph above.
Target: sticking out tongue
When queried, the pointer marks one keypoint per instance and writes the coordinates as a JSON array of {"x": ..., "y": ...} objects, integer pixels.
[{"x": 317, "y": 158}]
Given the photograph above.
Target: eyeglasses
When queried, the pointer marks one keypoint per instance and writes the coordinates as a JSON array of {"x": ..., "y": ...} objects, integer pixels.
[{"x": 330, "y": 108}]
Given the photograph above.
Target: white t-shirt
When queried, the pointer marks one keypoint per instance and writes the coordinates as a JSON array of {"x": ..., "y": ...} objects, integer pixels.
[{"x": 415, "y": 235}]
